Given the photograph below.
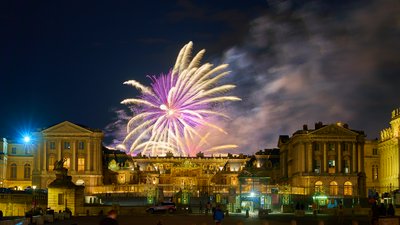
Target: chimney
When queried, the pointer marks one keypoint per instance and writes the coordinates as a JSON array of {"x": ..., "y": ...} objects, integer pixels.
[
  {"x": 346, "y": 126},
  {"x": 318, "y": 125},
  {"x": 305, "y": 127}
]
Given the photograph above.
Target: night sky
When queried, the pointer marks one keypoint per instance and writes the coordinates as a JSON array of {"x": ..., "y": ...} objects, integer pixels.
[{"x": 294, "y": 63}]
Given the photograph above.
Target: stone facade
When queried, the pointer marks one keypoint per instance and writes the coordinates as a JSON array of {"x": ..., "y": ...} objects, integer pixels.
[
  {"x": 389, "y": 151},
  {"x": 81, "y": 147},
  {"x": 327, "y": 160}
]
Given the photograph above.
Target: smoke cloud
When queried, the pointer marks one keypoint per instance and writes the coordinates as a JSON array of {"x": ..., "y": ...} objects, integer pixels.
[
  {"x": 304, "y": 64},
  {"x": 307, "y": 65}
]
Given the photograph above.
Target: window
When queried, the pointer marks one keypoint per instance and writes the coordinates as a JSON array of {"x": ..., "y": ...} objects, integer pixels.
[
  {"x": 348, "y": 188},
  {"x": 331, "y": 147},
  {"x": 318, "y": 187},
  {"x": 346, "y": 166},
  {"x": 346, "y": 146},
  {"x": 331, "y": 165},
  {"x": 60, "y": 199},
  {"x": 333, "y": 188},
  {"x": 81, "y": 164},
  {"x": 13, "y": 171},
  {"x": 316, "y": 146},
  {"x": 27, "y": 150},
  {"x": 67, "y": 162},
  {"x": 51, "y": 163},
  {"x": 317, "y": 166},
  {"x": 13, "y": 150},
  {"x": 81, "y": 145},
  {"x": 67, "y": 145},
  {"x": 375, "y": 151},
  {"x": 27, "y": 171},
  {"x": 52, "y": 145},
  {"x": 375, "y": 172}
]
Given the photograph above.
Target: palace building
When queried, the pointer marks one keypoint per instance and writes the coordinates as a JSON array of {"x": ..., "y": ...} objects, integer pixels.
[
  {"x": 389, "y": 170},
  {"x": 327, "y": 162}
]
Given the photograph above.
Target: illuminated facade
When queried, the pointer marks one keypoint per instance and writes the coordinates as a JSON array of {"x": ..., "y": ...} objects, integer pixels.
[
  {"x": 389, "y": 173},
  {"x": 326, "y": 162},
  {"x": 81, "y": 147},
  {"x": 330, "y": 161},
  {"x": 16, "y": 164}
]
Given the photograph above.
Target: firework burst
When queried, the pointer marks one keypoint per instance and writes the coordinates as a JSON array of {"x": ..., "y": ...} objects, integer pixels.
[{"x": 172, "y": 111}]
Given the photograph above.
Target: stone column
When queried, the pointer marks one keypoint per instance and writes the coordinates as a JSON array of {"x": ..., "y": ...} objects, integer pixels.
[
  {"x": 354, "y": 159},
  {"x": 44, "y": 158},
  {"x": 339, "y": 157},
  {"x": 59, "y": 152},
  {"x": 94, "y": 156},
  {"x": 87, "y": 156},
  {"x": 361, "y": 157},
  {"x": 304, "y": 159},
  {"x": 36, "y": 156},
  {"x": 324, "y": 161},
  {"x": 309, "y": 157},
  {"x": 73, "y": 159}
]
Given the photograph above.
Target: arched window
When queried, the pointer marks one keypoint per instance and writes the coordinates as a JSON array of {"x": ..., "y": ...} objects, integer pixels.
[
  {"x": 27, "y": 171},
  {"x": 13, "y": 171},
  {"x": 318, "y": 187},
  {"x": 348, "y": 188},
  {"x": 333, "y": 188}
]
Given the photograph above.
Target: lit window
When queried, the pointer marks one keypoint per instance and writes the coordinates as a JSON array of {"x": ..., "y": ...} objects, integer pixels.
[
  {"x": 67, "y": 145},
  {"x": 27, "y": 171},
  {"x": 13, "y": 171},
  {"x": 81, "y": 164},
  {"x": 318, "y": 187},
  {"x": 375, "y": 172},
  {"x": 52, "y": 145},
  {"x": 346, "y": 166},
  {"x": 348, "y": 188},
  {"x": 331, "y": 164},
  {"x": 51, "y": 163},
  {"x": 333, "y": 188},
  {"x": 67, "y": 163},
  {"x": 317, "y": 166}
]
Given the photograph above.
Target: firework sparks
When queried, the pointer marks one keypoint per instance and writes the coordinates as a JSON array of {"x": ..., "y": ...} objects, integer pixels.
[{"x": 172, "y": 110}]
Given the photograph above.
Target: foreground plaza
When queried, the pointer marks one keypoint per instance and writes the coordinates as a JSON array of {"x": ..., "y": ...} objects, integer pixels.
[{"x": 324, "y": 167}]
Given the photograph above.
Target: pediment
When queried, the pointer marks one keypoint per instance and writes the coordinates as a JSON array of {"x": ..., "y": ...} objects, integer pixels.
[
  {"x": 66, "y": 127},
  {"x": 334, "y": 130}
]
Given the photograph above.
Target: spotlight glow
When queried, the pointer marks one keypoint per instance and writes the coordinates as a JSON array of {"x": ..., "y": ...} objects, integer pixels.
[{"x": 27, "y": 139}]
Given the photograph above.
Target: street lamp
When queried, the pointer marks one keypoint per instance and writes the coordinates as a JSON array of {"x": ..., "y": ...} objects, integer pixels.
[
  {"x": 27, "y": 139},
  {"x": 34, "y": 199}
]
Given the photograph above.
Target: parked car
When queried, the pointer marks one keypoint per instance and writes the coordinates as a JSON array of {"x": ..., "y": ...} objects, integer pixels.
[{"x": 162, "y": 207}]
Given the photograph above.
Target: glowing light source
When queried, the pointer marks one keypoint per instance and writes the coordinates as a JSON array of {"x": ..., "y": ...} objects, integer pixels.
[{"x": 27, "y": 139}]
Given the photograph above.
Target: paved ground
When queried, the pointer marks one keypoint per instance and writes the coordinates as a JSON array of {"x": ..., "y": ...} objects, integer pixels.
[{"x": 175, "y": 219}]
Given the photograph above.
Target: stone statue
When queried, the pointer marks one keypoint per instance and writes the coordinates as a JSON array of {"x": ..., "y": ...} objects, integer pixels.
[
  {"x": 59, "y": 164},
  {"x": 59, "y": 168}
]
